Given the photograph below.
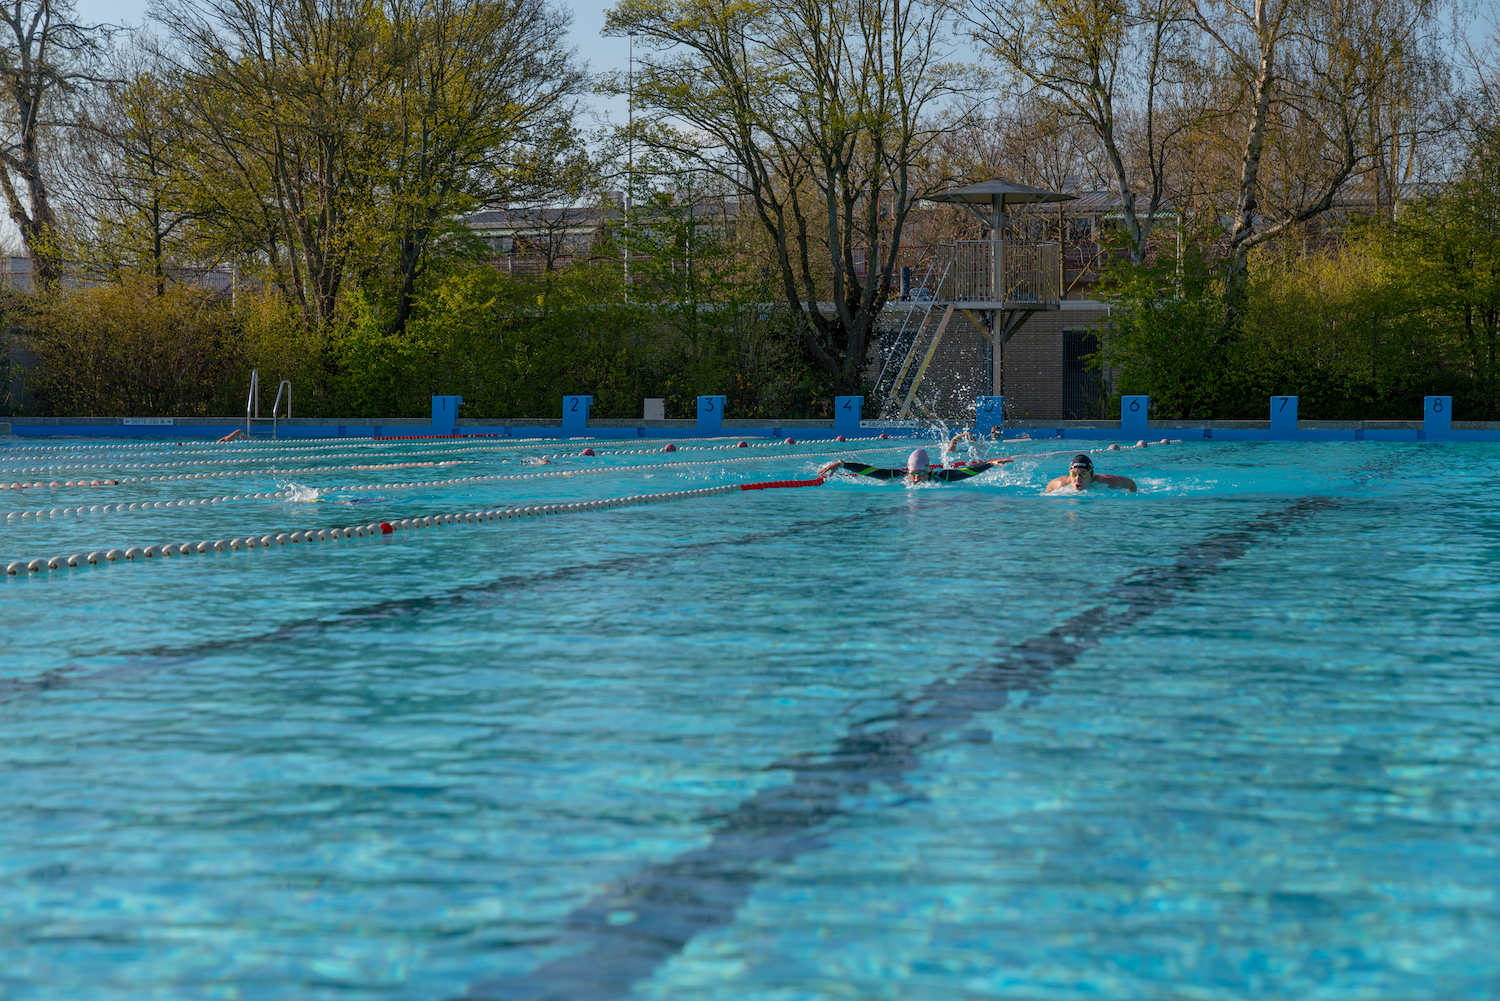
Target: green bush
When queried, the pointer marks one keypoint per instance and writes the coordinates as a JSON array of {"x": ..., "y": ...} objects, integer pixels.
[
  {"x": 510, "y": 348},
  {"x": 121, "y": 348}
]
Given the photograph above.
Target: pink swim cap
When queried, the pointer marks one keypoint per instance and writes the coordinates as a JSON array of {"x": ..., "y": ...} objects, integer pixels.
[{"x": 917, "y": 461}]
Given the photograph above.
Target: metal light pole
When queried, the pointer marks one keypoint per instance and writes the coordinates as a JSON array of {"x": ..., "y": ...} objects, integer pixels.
[{"x": 629, "y": 158}]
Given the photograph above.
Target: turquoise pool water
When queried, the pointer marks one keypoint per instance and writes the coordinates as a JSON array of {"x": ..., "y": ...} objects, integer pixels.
[{"x": 1232, "y": 737}]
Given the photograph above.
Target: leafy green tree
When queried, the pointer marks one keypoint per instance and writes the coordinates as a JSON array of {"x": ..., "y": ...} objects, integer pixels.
[
  {"x": 283, "y": 97},
  {"x": 1445, "y": 256},
  {"x": 1165, "y": 337},
  {"x": 484, "y": 94},
  {"x": 337, "y": 140},
  {"x": 696, "y": 285}
]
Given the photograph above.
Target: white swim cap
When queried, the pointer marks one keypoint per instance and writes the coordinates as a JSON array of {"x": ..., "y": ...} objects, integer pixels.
[{"x": 917, "y": 461}]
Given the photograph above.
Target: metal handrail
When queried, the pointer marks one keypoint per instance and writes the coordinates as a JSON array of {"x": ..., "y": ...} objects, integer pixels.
[
  {"x": 900, "y": 337},
  {"x": 932, "y": 347},
  {"x": 917, "y": 339},
  {"x": 252, "y": 405}
]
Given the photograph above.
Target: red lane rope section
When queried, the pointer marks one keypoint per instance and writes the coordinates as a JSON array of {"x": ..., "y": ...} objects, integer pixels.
[{"x": 776, "y": 484}]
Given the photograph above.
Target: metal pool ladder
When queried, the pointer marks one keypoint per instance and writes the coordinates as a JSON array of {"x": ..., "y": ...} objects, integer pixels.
[{"x": 252, "y": 405}]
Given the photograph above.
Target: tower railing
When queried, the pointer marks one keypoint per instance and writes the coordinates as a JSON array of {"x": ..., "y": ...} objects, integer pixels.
[{"x": 1033, "y": 272}]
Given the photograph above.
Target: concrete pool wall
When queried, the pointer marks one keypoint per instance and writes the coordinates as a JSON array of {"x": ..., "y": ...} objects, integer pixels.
[{"x": 1281, "y": 424}]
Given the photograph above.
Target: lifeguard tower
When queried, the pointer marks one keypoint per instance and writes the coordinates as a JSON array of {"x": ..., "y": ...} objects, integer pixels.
[{"x": 996, "y": 283}]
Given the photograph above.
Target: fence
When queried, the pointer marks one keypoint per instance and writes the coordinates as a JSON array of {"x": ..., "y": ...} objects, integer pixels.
[{"x": 1033, "y": 272}]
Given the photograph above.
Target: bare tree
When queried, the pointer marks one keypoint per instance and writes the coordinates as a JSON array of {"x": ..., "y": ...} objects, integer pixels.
[
  {"x": 131, "y": 166},
  {"x": 1123, "y": 68},
  {"x": 819, "y": 114},
  {"x": 45, "y": 53},
  {"x": 1304, "y": 76}
]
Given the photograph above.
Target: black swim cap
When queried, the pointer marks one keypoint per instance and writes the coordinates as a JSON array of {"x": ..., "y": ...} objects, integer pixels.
[{"x": 1081, "y": 460}]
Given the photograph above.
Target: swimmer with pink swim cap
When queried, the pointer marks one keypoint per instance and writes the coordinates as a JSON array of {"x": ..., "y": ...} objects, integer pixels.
[{"x": 919, "y": 469}]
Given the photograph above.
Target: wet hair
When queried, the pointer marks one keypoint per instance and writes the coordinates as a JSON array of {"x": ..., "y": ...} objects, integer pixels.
[
  {"x": 1082, "y": 460},
  {"x": 917, "y": 462}
]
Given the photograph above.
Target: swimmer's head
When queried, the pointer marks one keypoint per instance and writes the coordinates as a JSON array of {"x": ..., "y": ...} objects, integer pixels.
[
  {"x": 917, "y": 462},
  {"x": 1081, "y": 471}
]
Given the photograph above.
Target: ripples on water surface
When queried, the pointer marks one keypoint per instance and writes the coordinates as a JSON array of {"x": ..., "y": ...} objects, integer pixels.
[{"x": 1216, "y": 740}]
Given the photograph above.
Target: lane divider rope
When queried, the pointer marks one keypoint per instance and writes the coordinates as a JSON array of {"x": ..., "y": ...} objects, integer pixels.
[
  {"x": 281, "y": 473},
  {"x": 428, "y": 452},
  {"x": 223, "y": 473},
  {"x": 225, "y": 462},
  {"x": 345, "y": 445},
  {"x": 371, "y": 487},
  {"x": 144, "y": 505},
  {"x": 103, "y": 557}
]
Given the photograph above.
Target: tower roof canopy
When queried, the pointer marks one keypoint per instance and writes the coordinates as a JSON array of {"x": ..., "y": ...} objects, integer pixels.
[{"x": 1006, "y": 192}]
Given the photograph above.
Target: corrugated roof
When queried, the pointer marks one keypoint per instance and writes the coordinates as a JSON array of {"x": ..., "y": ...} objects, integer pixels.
[{"x": 1106, "y": 201}]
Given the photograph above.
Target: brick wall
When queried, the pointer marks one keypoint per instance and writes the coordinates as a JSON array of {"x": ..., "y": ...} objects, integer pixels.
[
  {"x": 1033, "y": 364},
  {"x": 959, "y": 370},
  {"x": 1033, "y": 376}
]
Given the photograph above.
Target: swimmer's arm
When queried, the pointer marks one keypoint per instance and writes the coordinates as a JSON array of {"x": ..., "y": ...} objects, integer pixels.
[
  {"x": 861, "y": 470},
  {"x": 1114, "y": 482},
  {"x": 964, "y": 472}
]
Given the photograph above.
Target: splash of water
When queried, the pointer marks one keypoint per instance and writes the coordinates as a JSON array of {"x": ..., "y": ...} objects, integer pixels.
[{"x": 296, "y": 493}]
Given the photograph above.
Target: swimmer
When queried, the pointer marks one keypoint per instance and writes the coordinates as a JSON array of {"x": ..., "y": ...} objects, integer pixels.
[
  {"x": 1081, "y": 476},
  {"x": 975, "y": 447},
  {"x": 234, "y": 435},
  {"x": 918, "y": 469}
]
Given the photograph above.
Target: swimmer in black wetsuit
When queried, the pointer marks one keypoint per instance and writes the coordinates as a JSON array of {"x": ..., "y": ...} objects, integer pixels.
[{"x": 917, "y": 469}]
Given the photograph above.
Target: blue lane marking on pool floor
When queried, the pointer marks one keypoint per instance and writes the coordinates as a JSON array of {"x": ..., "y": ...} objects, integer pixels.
[{"x": 622, "y": 935}]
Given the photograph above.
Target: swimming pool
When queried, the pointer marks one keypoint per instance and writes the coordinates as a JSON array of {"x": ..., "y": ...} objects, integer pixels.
[{"x": 1231, "y": 737}]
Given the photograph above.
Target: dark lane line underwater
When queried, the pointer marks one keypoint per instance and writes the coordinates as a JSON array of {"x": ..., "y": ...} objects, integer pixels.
[
  {"x": 621, "y": 936},
  {"x": 163, "y": 657}
]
